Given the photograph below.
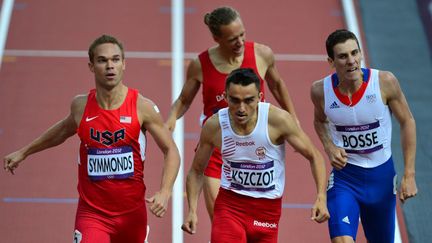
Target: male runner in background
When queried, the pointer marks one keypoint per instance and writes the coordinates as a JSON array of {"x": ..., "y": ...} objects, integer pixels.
[{"x": 210, "y": 70}]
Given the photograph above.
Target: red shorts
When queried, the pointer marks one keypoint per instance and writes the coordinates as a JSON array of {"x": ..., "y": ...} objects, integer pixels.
[
  {"x": 214, "y": 166},
  {"x": 242, "y": 219},
  {"x": 94, "y": 226}
]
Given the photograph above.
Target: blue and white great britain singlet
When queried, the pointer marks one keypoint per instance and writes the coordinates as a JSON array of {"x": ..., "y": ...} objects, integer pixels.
[{"x": 362, "y": 128}]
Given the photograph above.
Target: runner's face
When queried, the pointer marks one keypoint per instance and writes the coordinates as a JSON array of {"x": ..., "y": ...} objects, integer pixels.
[
  {"x": 242, "y": 102},
  {"x": 347, "y": 60},
  {"x": 232, "y": 37},
  {"x": 108, "y": 65}
]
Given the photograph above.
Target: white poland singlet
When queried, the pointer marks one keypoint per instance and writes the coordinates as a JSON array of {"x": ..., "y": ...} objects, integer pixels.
[
  {"x": 252, "y": 165},
  {"x": 363, "y": 129}
]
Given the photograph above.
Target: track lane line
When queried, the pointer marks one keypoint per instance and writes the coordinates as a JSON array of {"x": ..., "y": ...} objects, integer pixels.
[
  {"x": 39, "y": 200},
  {"x": 152, "y": 55},
  {"x": 5, "y": 16}
]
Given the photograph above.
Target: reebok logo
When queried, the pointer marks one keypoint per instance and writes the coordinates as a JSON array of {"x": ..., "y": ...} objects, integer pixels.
[
  {"x": 91, "y": 118},
  {"x": 265, "y": 224},
  {"x": 247, "y": 143},
  {"x": 334, "y": 105},
  {"x": 346, "y": 220}
]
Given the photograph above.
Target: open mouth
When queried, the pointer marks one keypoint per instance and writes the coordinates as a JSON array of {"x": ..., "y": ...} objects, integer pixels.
[
  {"x": 352, "y": 70},
  {"x": 110, "y": 75},
  {"x": 241, "y": 116},
  {"x": 238, "y": 50}
]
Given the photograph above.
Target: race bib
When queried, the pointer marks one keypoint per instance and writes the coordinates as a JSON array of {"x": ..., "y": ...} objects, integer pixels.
[
  {"x": 362, "y": 139},
  {"x": 110, "y": 163},
  {"x": 250, "y": 176}
]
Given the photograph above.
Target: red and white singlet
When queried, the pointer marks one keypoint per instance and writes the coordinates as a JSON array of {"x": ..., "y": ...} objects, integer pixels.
[
  {"x": 214, "y": 81},
  {"x": 213, "y": 100}
]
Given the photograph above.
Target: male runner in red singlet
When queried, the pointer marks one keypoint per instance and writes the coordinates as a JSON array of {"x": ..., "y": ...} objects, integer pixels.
[
  {"x": 111, "y": 122},
  {"x": 251, "y": 136},
  {"x": 211, "y": 69}
]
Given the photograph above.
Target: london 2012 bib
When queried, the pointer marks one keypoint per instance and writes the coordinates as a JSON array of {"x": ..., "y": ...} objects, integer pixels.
[{"x": 110, "y": 163}]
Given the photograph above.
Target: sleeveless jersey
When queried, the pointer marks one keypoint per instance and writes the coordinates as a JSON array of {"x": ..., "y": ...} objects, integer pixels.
[
  {"x": 214, "y": 81},
  {"x": 362, "y": 128},
  {"x": 252, "y": 165},
  {"x": 112, "y": 153}
]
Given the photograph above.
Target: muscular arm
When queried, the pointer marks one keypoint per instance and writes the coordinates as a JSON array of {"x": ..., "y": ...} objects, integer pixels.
[
  {"x": 188, "y": 93},
  {"x": 152, "y": 121},
  {"x": 53, "y": 136},
  {"x": 395, "y": 99},
  {"x": 283, "y": 123},
  {"x": 195, "y": 177},
  {"x": 274, "y": 81},
  {"x": 337, "y": 156}
]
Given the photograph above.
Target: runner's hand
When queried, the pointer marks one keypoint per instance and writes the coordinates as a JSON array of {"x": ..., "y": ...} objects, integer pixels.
[
  {"x": 338, "y": 157},
  {"x": 320, "y": 212},
  {"x": 408, "y": 187},
  {"x": 190, "y": 223},
  {"x": 11, "y": 161},
  {"x": 158, "y": 203}
]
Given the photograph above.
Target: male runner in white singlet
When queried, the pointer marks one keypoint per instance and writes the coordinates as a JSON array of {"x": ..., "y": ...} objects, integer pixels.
[
  {"x": 353, "y": 110},
  {"x": 251, "y": 137}
]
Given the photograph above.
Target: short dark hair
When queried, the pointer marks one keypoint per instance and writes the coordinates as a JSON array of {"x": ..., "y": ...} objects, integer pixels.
[
  {"x": 339, "y": 36},
  {"x": 244, "y": 77},
  {"x": 218, "y": 17},
  {"x": 102, "y": 40}
]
